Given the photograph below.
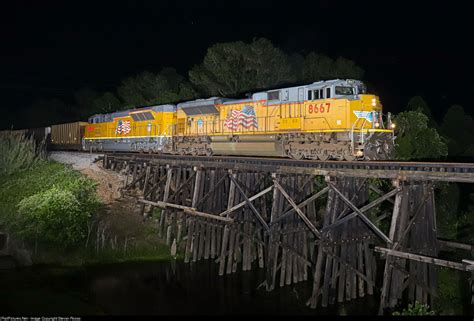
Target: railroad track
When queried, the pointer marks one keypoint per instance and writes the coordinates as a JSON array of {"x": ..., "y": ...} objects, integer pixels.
[{"x": 420, "y": 171}]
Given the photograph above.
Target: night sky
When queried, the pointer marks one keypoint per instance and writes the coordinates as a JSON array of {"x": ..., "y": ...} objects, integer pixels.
[{"x": 52, "y": 48}]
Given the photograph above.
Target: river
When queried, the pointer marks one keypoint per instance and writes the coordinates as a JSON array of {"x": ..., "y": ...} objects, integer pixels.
[{"x": 155, "y": 288}]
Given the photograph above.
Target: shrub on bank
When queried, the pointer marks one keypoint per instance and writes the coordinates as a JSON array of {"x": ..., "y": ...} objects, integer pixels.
[
  {"x": 55, "y": 216},
  {"x": 49, "y": 204}
]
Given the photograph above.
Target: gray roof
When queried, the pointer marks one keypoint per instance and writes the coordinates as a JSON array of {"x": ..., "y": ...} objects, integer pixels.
[{"x": 201, "y": 106}]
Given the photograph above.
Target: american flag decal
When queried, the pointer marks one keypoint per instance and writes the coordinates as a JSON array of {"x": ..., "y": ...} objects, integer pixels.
[
  {"x": 123, "y": 127},
  {"x": 245, "y": 117}
]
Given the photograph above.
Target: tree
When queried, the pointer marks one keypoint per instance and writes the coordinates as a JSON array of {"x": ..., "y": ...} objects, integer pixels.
[
  {"x": 417, "y": 103},
  {"x": 458, "y": 127},
  {"x": 236, "y": 67},
  {"x": 148, "y": 88},
  {"x": 415, "y": 140},
  {"x": 345, "y": 68},
  {"x": 317, "y": 67},
  {"x": 320, "y": 67},
  {"x": 106, "y": 103}
]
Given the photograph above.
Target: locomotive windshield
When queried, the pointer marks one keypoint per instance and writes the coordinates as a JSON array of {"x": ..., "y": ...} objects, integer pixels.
[{"x": 342, "y": 90}]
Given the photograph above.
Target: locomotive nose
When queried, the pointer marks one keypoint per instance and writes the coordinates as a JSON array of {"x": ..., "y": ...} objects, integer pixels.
[{"x": 371, "y": 102}]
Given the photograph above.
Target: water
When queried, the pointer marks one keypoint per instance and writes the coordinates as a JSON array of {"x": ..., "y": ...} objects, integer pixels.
[{"x": 169, "y": 288}]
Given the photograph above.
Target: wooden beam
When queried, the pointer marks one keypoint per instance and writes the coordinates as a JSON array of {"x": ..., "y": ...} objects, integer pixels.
[
  {"x": 252, "y": 207},
  {"x": 380, "y": 192},
  {"x": 241, "y": 204},
  {"x": 187, "y": 210},
  {"x": 298, "y": 211},
  {"x": 362, "y": 209},
  {"x": 362, "y": 216},
  {"x": 213, "y": 188},
  {"x": 455, "y": 245},
  {"x": 427, "y": 259},
  {"x": 302, "y": 204}
]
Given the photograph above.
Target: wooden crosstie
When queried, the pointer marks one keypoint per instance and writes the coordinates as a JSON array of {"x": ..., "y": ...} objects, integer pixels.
[{"x": 259, "y": 218}]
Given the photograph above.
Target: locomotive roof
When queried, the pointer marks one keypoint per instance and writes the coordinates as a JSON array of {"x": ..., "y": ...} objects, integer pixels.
[
  {"x": 201, "y": 106},
  {"x": 156, "y": 108}
]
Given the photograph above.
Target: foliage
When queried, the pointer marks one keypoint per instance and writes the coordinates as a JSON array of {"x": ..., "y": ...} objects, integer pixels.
[
  {"x": 415, "y": 309},
  {"x": 447, "y": 204},
  {"x": 466, "y": 223},
  {"x": 49, "y": 202},
  {"x": 17, "y": 152},
  {"x": 415, "y": 140},
  {"x": 233, "y": 68},
  {"x": 320, "y": 67},
  {"x": 54, "y": 215},
  {"x": 459, "y": 128},
  {"x": 449, "y": 301},
  {"x": 106, "y": 103},
  {"x": 417, "y": 103},
  {"x": 236, "y": 67},
  {"x": 148, "y": 88}
]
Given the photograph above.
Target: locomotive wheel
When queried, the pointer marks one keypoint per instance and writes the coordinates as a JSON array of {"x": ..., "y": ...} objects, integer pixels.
[
  {"x": 348, "y": 156},
  {"x": 322, "y": 155},
  {"x": 296, "y": 155}
]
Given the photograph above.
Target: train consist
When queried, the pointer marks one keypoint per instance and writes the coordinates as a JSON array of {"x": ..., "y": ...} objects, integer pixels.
[{"x": 334, "y": 119}]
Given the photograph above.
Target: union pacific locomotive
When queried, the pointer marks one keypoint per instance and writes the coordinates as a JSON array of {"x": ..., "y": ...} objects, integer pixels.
[{"x": 334, "y": 119}]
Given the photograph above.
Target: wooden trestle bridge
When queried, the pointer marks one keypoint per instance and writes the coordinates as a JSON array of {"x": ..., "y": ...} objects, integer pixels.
[{"x": 302, "y": 220}]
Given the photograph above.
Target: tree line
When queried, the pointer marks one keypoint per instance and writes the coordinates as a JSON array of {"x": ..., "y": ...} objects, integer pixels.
[
  {"x": 233, "y": 69},
  {"x": 228, "y": 69}
]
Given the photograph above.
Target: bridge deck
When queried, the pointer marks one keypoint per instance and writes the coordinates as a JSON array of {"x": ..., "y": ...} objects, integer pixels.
[{"x": 404, "y": 171}]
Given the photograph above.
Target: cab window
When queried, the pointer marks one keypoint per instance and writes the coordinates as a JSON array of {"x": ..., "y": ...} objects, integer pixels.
[
  {"x": 328, "y": 92},
  {"x": 343, "y": 90}
]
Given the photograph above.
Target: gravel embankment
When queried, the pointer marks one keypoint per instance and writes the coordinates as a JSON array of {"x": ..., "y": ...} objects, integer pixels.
[
  {"x": 109, "y": 182},
  {"x": 79, "y": 161}
]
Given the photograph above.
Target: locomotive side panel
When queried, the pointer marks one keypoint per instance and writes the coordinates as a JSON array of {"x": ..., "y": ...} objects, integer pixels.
[{"x": 137, "y": 130}]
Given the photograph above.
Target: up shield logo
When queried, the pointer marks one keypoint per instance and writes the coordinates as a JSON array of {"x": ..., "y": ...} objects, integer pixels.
[{"x": 368, "y": 115}]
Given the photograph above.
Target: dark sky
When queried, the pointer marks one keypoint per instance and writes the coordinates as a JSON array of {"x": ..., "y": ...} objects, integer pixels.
[{"x": 50, "y": 48}]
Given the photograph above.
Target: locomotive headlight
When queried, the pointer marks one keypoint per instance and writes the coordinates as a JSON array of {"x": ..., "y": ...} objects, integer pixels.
[
  {"x": 377, "y": 125},
  {"x": 374, "y": 102},
  {"x": 393, "y": 125}
]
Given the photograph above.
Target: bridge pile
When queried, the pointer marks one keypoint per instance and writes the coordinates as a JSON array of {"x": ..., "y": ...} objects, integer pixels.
[{"x": 249, "y": 214}]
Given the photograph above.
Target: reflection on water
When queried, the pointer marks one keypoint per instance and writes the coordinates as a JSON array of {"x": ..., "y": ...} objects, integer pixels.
[{"x": 165, "y": 288}]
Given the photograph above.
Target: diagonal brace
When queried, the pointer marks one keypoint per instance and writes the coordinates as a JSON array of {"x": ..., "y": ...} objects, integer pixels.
[
  {"x": 302, "y": 204},
  {"x": 298, "y": 211},
  {"x": 241, "y": 204},
  {"x": 362, "y": 209},
  {"x": 252, "y": 207},
  {"x": 364, "y": 218}
]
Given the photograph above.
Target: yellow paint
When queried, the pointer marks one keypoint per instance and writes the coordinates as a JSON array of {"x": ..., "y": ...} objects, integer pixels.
[
  {"x": 162, "y": 125},
  {"x": 324, "y": 115}
]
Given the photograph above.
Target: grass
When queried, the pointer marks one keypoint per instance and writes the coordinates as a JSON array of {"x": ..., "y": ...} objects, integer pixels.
[
  {"x": 45, "y": 174},
  {"x": 41, "y": 176}
]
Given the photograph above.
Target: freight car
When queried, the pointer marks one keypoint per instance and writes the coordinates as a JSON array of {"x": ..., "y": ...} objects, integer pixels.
[
  {"x": 333, "y": 119},
  {"x": 67, "y": 136}
]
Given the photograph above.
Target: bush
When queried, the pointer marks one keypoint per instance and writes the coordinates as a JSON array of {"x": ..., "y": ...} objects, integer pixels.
[
  {"x": 54, "y": 216},
  {"x": 17, "y": 152},
  {"x": 416, "y": 309}
]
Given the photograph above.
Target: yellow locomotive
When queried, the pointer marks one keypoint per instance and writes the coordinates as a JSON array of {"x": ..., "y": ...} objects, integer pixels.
[{"x": 324, "y": 120}]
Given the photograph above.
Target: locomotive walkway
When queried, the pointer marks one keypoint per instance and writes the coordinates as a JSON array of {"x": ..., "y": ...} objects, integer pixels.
[{"x": 303, "y": 220}]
